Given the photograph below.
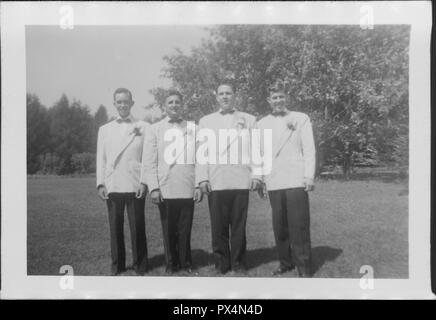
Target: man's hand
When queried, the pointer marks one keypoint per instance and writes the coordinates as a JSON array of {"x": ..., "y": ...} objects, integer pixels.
[
  {"x": 198, "y": 195},
  {"x": 142, "y": 191},
  {"x": 205, "y": 187},
  {"x": 262, "y": 192},
  {"x": 308, "y": 184},
  {"x": 156, "y": 196},
  {"x": 256, "y": 184},
  {"x": 102, "y": 193}
]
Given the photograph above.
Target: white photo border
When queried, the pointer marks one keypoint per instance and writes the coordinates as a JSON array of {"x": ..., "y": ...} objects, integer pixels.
[{"x": 15, "y": 16}]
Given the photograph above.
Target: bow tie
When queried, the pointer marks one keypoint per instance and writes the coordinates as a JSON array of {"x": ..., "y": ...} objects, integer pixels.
[
  {"x": 224, "y": 112},
  {"x": 279, "y": 114},
  {"x": 124, "y": 120},
  {"x": 178, "y": 120}
]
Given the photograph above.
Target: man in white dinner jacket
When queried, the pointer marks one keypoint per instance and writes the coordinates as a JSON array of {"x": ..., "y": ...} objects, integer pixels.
[
  {"x": 289, "y": 181},
  {"x": 226, "y": 184},
  {"x": 119, "y": 157},
  {"x": 169, "y": 172}
]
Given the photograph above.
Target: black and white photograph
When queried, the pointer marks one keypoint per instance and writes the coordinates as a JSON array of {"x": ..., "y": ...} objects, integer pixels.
[{"x": 246, "y": 151}]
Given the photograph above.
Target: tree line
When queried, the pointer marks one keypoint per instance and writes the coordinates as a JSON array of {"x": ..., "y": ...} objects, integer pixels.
[
  {"x": 352, "y": 82},
  {"x": 62, "y": 139}
]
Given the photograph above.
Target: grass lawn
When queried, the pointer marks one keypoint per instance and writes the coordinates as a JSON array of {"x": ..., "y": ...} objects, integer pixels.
[{"x": 353, "y": 223}]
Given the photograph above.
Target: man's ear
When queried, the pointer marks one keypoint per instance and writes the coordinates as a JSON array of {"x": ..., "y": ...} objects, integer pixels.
[{"x": 133, "y": 102}]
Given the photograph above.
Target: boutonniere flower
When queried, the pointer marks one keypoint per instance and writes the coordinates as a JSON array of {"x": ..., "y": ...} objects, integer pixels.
[
  {"x": 291, "y": 125},
  {"x": 136, "y": 131},
  {"x": 241, "y": 123}
]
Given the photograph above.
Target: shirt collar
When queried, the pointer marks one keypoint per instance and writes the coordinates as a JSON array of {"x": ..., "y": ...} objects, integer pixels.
[
  {"x": 168, "y": 120},
  {"x": 128, "y": 119},
  {"x": 282, "y": 113},
  {"x": 231, "y": 111}
]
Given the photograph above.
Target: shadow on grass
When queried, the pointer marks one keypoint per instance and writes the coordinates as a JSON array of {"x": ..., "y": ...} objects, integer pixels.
[
  {"x": 320, "y": 255},
  {"x": 255, "y": 258},
  {"x": 200, "y": 258}
]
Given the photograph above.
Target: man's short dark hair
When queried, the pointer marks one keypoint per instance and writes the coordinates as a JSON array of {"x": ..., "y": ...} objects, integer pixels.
[
  {"x": 226, "y": 82},
  {"x": 174, "y": 92},
  {"x": 123, "y": 90},
  {"x": 278, "y": 86}
]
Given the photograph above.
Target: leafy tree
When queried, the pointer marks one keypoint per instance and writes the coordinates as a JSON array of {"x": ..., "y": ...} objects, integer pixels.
[
  {"x": 71, "y": 130},
  {"x": 100, "y": 118},
  {"x": 153, "y": 113},
  {"x": 83, "y": 162},
  {"x": 352, "y": 82},
  {"x": 50, "y": 163},
  {"x": 38, "y": 133}
]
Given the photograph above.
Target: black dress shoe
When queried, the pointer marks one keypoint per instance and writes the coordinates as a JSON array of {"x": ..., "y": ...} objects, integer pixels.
[
  {"x": 115, "y": 273},
  {"x": 304, "y": 272},
  {"x": 118, "y": 272},
  {"x": 240, "y": 271},
  {"x": 219, "y": 272},
  {"x": 189, "y": 271},
  {"x": 282, "y": 269},
  {"x": 140, "y": 272},
  {"x": 171, "y": 270}
]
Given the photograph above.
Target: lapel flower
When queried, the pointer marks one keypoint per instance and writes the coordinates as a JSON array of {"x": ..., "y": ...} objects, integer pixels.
[
  {"x": 291, "y": 125},
  {"x": 136, "y": 131},
  {"x": 241, "y": 123}
]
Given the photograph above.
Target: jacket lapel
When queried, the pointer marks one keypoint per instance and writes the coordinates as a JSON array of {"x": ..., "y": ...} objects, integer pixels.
[
  {"x": 284, "y": 138},
  {"x": 234, "y": 125},
  {"x": 185, "y": 142},
  {"x": 172, "y": 164},
  {"x": 122, "y": 143}
]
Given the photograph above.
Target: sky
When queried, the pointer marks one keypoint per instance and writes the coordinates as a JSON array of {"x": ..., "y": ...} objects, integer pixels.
[{"x": 88, "y": 63}]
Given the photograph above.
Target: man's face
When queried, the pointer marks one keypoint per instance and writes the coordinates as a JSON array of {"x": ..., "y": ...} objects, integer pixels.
[
  {"x": 173, "y": 107},
  {"x": 225, "y": 97},
  {"x": 278, "y": 101},
  {"x": 123, "y": 103}
]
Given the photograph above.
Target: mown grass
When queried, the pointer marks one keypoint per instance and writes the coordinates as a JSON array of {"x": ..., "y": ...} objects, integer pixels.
[{"x": 353, "y": 223}]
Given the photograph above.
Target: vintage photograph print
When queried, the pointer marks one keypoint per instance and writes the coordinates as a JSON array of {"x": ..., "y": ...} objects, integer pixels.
[
  {"x": 243, "y": 152},
  {"x": 349, "y": 82}
]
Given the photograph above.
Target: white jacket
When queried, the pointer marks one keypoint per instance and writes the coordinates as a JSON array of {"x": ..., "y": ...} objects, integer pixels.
[
  {"x": 174, "y": 175},
  {"x": 225, "y": 176},
  {"x": 119, "y": 155},
  {"x": 293, "y": 150}
]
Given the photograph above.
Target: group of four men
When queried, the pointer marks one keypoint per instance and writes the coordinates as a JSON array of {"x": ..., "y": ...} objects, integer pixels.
[{"x": 134, "y": 158}]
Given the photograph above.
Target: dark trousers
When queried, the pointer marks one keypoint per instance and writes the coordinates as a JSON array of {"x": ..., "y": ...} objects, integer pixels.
[
  {"x": 116, "y": 204},
  {"x": 291, "y": 225},
  {"x": 228, "y": 211},
  {"x": 176, "y": 217}
]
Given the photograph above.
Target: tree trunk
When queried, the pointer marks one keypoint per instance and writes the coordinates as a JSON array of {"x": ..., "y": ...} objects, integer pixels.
[
  {"x": 346, "y": 162},
  {"x": 319, "y": 160}
]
